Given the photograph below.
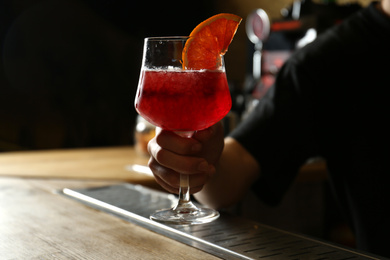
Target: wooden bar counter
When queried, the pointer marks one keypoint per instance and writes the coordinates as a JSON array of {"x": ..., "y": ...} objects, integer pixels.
[{"x": 36, "y": 222}]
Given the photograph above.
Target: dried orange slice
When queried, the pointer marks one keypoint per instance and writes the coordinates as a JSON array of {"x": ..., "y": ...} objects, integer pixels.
[{"x": 209, "y": 41}]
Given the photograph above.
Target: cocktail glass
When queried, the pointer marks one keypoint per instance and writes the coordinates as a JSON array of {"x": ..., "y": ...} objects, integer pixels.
[{"x": 182, "y": 101}]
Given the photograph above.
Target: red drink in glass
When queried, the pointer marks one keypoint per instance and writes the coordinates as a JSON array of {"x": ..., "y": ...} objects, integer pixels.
[{"x": 183, "y": 100}]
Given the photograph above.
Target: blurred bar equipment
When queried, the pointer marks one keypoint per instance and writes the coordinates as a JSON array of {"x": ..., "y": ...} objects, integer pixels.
[{"x": 257, "y": 29}]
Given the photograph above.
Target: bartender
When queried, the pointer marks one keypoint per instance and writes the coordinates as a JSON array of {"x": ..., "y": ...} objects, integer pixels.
[{"x": 330, "y": 100}]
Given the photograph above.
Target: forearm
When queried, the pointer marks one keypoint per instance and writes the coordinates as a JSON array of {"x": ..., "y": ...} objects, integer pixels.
[{"x": 236, "y": 172}]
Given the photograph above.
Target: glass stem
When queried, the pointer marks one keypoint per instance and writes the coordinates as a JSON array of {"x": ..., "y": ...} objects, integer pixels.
[
  {"x": 184, "y": 193},
  {"x": 184, "y": 205}
]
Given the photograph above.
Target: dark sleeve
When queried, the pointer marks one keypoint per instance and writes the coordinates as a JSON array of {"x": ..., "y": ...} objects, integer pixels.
[{"x": 279, "y": 132}]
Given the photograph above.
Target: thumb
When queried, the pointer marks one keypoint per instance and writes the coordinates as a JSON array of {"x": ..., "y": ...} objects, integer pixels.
[{"x": 206, "y": 134}]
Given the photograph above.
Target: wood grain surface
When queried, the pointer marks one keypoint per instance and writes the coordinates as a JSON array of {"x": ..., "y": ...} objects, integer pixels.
[
  {"x": 38, "y": 223},
  {"x": 87, "y": 163},
  {"x": 102, "y": 164}
]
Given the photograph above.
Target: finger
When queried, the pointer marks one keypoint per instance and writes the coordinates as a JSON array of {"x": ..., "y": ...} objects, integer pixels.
[
  {"x": 165, "y": 177},
  {"x": 172, "y": 176},
  {"x": 174, "y": 190},
  {"x": 177, "y": 162},
  {"x": 177, "y": 144},
  {"x": 170, "y": 180},
  {"x": 166, "y": 186},
  {"x": 194, "y": 190},
  {"x": 197, "y": 181},
  {"x": 208, "y": 132},
  {"x": 195, "y": 185}
]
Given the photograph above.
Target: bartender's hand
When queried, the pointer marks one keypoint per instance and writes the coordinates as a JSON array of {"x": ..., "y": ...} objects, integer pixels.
[{"x": 196, "y": 156}]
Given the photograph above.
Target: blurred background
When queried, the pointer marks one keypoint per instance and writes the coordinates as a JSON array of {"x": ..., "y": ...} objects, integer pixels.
[{"x": 69, "y": 71}]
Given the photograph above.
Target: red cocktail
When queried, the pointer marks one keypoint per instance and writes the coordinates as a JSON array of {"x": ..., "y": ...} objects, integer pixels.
[{"x": 183, "y": 100}]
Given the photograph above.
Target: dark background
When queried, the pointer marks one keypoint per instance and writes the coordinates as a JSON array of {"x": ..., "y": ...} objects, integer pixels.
[{"x": 69, "y": 68}]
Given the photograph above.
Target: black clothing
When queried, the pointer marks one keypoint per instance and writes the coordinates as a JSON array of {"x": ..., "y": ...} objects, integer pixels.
[{"x": 330, "y": 99}]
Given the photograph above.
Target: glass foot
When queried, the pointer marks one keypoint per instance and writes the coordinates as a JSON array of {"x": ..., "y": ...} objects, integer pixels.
[{"x": 189, "y": 216}]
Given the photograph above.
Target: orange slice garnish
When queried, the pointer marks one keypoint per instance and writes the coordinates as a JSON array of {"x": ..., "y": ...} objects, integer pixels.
[{"x": 209, "y": 41}]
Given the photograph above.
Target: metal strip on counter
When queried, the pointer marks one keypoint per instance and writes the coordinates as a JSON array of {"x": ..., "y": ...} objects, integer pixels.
[{"x": 228, "y": 237}]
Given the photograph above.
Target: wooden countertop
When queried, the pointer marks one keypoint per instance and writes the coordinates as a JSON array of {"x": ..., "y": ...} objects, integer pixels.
[
  {"x": 102, "y": 164},
  {"x": 38, "y": 223},
  {"x": 87, "y": 164}
]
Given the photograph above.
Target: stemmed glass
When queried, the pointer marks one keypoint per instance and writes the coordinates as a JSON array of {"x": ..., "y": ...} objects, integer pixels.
[{"x": 183, "y": 101}]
